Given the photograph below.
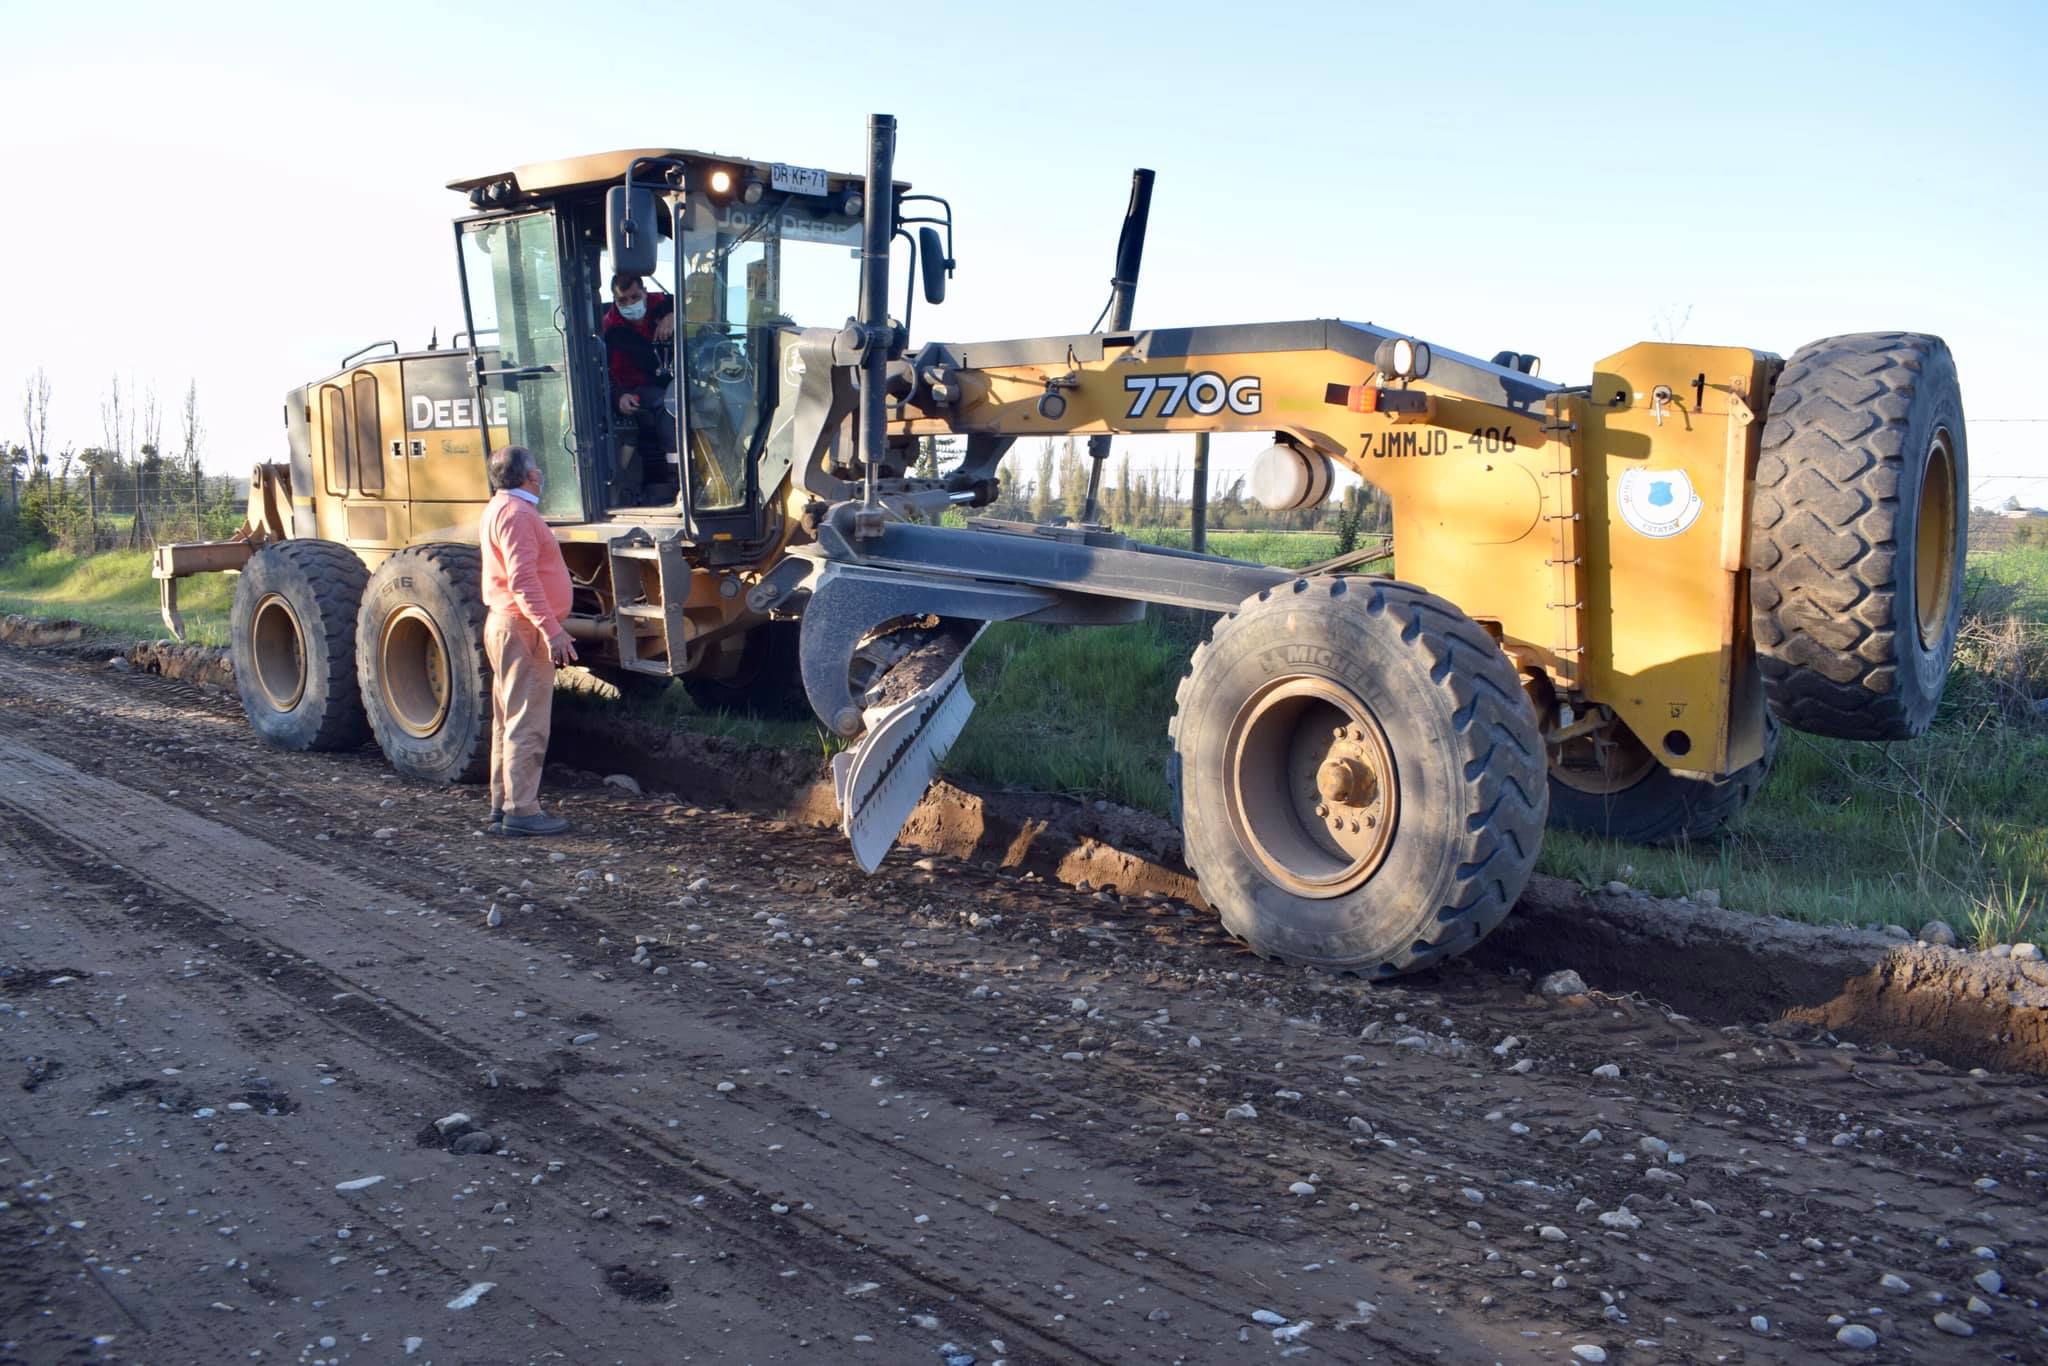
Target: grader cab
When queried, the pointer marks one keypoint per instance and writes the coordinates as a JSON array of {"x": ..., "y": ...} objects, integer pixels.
[{"x": 1611, "y": 593}]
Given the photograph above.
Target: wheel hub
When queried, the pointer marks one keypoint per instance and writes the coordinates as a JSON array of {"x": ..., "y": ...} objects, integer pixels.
[
  {"x": 1313, "y": 795},
  {"x": 1935, "y": 545},
  {"x": 279, "y": 649},
  {"x": 413, "y": 671},
  {"x": 1345, "y": 781},
  {"x": 1603, "y": 761}
]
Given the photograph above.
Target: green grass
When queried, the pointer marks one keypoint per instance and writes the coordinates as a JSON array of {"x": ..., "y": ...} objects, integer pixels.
[
  {"x": 113, "y": 593},
  {"x": 673, "y": 708},
  {"x": 1287, "y": 549},
  {"x": 1081, "y": 711}
]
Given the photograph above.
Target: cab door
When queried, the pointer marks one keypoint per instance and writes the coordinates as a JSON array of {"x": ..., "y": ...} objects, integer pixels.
[
  {"x": 361, "y": 459},
  {"x": 515, "y": 298}
]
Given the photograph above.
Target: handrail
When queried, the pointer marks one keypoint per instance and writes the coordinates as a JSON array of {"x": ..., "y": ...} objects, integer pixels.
[{"x": 352, "y": 357}]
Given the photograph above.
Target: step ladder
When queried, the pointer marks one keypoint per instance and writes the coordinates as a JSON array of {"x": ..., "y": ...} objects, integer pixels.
[{"x": 650, "y": 584}]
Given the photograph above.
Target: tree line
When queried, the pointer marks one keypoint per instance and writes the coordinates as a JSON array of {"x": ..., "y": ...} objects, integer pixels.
[
  {"x": 1052, "y": 482},
  {"x": 129, "y": 488}
]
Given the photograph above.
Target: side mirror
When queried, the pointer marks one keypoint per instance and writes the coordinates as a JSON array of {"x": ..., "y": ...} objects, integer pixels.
[
  {"x": 631, "y": 231},
  {"x": 931, "y": 257}
]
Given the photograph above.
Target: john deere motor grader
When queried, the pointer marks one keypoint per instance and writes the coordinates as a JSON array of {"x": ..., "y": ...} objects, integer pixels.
[{"x": 1612, "y": 592}]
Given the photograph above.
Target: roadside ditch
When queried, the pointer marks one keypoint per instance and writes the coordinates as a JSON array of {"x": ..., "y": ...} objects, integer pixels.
[{"x": 1714, "y": 964}]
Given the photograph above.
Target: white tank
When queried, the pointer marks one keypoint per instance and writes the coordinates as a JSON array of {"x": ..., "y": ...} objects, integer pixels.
[{"x": 1286, "y": 478}]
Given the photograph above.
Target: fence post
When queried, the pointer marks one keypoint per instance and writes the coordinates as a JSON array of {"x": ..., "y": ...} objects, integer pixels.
[
  {"x": 1198, "y": 505},
  {"x": 92, "y": 506}
]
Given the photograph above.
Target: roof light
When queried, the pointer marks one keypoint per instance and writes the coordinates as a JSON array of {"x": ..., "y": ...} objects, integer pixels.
[
  {"x": 851, "y": 203},
  {"x": 719, "y": 182},
  {"x": 751, "y": 190},
  {"x": 1401, "y": 358}
]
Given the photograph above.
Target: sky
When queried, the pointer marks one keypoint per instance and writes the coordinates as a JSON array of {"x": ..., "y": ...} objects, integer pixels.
[{"x": 237, "y": 196}]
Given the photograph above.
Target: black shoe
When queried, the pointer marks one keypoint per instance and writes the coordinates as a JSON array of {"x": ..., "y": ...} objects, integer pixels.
[
  {"x": 539, "y": 823},
  {"x": 496, "y": 826}
]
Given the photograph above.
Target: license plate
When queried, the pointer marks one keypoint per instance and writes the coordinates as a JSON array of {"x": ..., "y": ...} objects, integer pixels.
[{"x": 796, "y": 179}]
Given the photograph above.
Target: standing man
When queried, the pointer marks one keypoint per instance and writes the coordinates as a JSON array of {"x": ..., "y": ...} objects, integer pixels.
[{"x": 526, "y": 589}]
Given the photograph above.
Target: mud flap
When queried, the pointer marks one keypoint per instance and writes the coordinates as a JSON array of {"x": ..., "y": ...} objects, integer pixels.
[{"x": 880, "y": 781}]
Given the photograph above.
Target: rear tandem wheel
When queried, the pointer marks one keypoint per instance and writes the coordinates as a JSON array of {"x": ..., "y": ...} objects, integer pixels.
[
  {"x": 1358, "y": 774},
  {"x": 1609, "y": 785},
  {"x": 425, "y": 683},
  {"x": 292, "y": 636}
]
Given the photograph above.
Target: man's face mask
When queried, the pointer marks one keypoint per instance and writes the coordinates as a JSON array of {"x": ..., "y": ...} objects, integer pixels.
[{"x": 634, "y": 311}]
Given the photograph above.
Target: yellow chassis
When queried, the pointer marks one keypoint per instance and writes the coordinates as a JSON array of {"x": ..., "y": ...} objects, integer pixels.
[{"x": 1515, "y": 515}]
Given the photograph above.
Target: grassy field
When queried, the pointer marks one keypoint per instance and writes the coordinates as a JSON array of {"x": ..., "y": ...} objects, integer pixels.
[
  {"x": 113, "y": 592},
  {"x": 1951, "y": 826}
]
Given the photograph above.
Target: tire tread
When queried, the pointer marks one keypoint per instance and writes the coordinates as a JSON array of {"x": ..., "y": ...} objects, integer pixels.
[
  {"x": 1826, "y": 512},
  {"x": 1502, "y": 758}
]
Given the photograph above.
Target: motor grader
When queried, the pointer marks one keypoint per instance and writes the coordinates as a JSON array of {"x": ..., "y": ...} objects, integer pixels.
[{"x": 1611, "y": 593}]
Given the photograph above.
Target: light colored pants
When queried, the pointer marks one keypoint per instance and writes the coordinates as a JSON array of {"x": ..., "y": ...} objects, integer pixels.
[{"x": 522, "y": 710}]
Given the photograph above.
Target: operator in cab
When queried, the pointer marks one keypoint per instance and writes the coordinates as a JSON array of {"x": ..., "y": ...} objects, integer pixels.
[{"x": 639, "y": 330}]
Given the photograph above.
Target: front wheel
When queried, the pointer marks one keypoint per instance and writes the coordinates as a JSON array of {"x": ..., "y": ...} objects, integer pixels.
[
  {"x": 1359, "y": 777},
  {"x": 761, "y": 675}
]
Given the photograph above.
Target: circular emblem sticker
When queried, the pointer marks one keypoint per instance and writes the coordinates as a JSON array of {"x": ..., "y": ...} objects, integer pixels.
[{"x": 1657, "y": 503}]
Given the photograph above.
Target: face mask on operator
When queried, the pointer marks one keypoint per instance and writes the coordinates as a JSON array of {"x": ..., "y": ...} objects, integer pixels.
[{"x": 633, "y": 312}]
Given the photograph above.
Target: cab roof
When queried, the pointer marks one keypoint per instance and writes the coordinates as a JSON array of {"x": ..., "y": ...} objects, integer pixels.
[{"x": 607, "y": 168}]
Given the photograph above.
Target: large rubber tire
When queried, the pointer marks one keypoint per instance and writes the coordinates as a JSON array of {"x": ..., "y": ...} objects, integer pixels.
[
  {"x": 1456, "y": 746},
  {"x": 425, "y": 682},
  {"x": 1663, "y": 806},
  {"x": 292, "y": 634},
  {"x": 1857, "y": 535},
  {"x": 767, "y": 681}
]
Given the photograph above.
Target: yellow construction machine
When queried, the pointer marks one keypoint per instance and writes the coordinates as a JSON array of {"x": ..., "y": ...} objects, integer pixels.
[{"x": 1611, "y": 592}]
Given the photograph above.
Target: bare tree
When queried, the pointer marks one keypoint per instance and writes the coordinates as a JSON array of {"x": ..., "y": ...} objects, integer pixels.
[
  {"x": 111, "y": 414},
  {"x": 35, "y": 416},
  {"x": 152, "y": 424},
  {"x": 190, "y": 430}
]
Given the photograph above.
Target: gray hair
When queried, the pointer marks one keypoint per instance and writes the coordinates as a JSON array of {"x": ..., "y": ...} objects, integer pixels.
[{"x": 509, "y": 467}]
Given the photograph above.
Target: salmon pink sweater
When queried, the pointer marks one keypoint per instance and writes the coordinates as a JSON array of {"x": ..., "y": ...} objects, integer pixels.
[{"x": 523, "y": 567}]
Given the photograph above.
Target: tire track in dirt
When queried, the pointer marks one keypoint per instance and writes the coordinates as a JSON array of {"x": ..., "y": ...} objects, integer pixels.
[
  {"x": 1734, "y": 1099},
  {"x": 101, "y": 818}
]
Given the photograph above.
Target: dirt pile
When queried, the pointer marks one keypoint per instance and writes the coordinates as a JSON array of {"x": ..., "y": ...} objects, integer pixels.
[
  {"x": 1970, "y": 1009},
  {"x": 1100, "y": 843},
  {"x": 208, "y": 665},
  {"x": 16, "y": 629}
]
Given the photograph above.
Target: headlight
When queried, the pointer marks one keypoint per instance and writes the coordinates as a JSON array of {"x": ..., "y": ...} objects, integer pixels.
[{"x": 720, "y": 182}]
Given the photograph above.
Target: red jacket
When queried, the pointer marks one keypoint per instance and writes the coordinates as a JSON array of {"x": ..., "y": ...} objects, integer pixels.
[{"x": 634, "y": 355}]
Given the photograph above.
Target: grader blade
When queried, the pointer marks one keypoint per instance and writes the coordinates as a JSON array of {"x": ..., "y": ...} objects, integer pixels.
[{"x": 880, "y": 781}]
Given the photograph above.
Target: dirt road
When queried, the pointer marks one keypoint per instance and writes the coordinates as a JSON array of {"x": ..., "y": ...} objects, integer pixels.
[{"x": 939, "y": 1115}]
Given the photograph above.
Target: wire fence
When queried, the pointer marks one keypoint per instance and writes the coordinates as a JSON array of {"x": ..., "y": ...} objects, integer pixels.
[{"x": 123, "y": 507}]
